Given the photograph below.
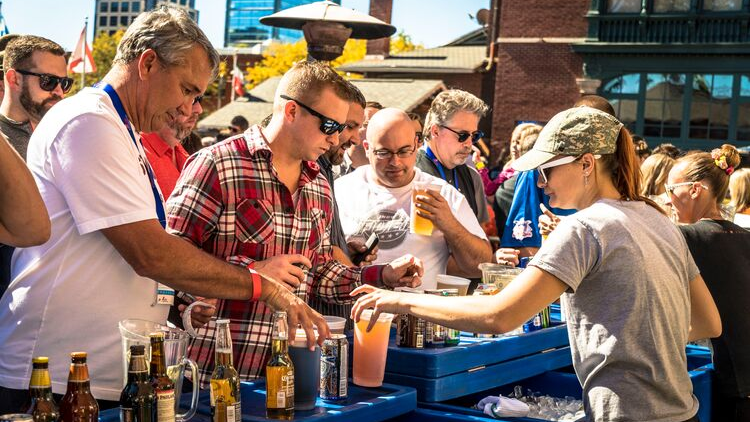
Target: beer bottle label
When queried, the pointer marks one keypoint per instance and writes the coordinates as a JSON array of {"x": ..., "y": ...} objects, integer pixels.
[
  {"x": 281, "y": 398},
  {"x": 234, "y": 412},
  {"x": 126, "y": 414},
  {"x": 165, "y": 406}
]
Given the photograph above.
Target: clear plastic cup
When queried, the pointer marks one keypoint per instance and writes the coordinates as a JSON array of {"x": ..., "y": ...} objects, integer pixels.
[
  {"x": 335, "y": 324},
  {"x": 419, "y": 224},
  {"x": 445, "y": 281},
  {"x": 499, "y": 275},
  {"x": 370, "y": 349}
]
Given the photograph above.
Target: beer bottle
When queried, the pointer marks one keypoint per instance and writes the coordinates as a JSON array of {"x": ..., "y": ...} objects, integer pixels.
[
  {"x": 43, "y": 407},
  {"x": 138, "y": 400},
  {"x": 78, "y": 405},
  {"x": 225, "y": 383},
  {"x": 163, "y": 386},
  {"x": 280, "y": 373}
]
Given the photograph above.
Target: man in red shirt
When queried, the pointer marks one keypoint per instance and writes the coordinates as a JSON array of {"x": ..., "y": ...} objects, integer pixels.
[{"x": 164, "y": 149}]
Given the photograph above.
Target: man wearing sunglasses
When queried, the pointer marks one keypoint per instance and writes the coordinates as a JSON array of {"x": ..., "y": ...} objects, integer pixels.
[
  {"x": 451, "y": 128},
  {"x": 260, "y": 198},
  {"x": 378, "y": 199},
  {"x": 109, "y": 256},
  {"x": 25, "y": 101},
  {"x": 35, "y": 79}
]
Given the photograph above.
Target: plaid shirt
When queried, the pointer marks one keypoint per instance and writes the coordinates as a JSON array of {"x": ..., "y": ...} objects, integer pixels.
[{"x": 230, "y": 202}]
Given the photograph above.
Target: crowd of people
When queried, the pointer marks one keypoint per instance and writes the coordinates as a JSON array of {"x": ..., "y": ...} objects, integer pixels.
[{"x": 113, "y": 205}]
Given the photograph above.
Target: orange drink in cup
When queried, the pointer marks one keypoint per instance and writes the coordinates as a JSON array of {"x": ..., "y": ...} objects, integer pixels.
[
  {"x": 419, "y": 224},
  {"x": 370, "y": 349}
]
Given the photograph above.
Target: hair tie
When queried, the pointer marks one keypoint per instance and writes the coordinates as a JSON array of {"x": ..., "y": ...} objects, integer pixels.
[{"x": 721, "y": 161}]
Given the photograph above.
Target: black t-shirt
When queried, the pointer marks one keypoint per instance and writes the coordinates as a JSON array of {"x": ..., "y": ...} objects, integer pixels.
[{"x": 721, "y": 250}]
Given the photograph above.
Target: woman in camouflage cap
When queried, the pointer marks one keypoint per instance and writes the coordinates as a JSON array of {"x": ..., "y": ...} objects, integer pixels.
[{"x": 632, "y": 293}]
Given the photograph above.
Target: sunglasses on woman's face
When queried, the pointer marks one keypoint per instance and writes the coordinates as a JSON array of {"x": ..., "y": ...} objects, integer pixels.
[
  {"x": 327, "y": 125},
  {"x": 49, "y": 82},
  {"x": 555, "y": 163}
]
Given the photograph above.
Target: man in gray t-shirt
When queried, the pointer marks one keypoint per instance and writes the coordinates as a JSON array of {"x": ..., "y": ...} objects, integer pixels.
[{"x": 628, "y": 269}]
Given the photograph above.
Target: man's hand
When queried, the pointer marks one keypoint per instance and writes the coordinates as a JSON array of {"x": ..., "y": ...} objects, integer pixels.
[
  {"x": 282, "y": 269},
  {"x": 378, "y": 299},
  {"x": 356, "y": 246},
  {"x": 406, "y": 271},
  {"x": 547, "y": 221},
  {"x": 432, "y": 206},
  {"x": 279, "y": 298},
  {"x": 200, "y": 314},
  {"x": 507, "y": 256}
]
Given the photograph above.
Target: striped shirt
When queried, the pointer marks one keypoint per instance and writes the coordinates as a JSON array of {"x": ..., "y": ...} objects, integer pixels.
[{"x": 230, "y": 202}]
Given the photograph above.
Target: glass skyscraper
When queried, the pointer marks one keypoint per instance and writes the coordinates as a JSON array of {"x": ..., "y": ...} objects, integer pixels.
[{"x": 243, "y": 27}]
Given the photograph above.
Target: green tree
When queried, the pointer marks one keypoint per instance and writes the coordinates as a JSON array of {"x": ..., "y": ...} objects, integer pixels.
[{"x": 103, "y": 49}]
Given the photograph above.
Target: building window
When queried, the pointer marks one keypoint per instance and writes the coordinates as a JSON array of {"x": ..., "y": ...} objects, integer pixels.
[
  {"x": 115, "y": 6},
  {"x": 113, "y": 21},
  {"x": 103, "y": 6},
  {"x": 124, "y": 21},
  {"x": 624, "y": 6},
  {"x": 125, "y": 6},
  {"x": 722, "y": 5},
  {"x": 667, "y": 6},
  {"x": 695, "y": 110},
  {"x": 136, "y": 7},
  {"x": 102, "y": 21}
]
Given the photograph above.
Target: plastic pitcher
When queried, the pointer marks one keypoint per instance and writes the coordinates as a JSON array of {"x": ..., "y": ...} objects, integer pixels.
[{"x": 136, "y": 331}]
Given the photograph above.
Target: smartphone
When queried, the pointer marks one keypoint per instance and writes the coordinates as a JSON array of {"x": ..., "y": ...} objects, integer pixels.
[{"x": 371, "y": 243}]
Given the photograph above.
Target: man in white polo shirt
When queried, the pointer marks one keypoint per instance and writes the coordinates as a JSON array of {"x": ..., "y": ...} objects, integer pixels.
[
  {"x": 107, "y": 245},
  {"x": 378, "y": 198}
]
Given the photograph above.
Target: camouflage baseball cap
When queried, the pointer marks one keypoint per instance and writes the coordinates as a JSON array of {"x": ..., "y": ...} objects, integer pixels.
[{"x": 575, "y": 131}]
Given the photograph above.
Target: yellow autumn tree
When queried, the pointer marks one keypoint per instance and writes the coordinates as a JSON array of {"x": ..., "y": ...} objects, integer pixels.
[
  {"x": 104, "y": 49},
  {"x": 279, "y": 57}
]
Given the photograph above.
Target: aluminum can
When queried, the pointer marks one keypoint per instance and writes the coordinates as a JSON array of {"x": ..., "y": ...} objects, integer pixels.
[
  {"x": 16, "y": 417},
  {"x": 410, "y": 331},
  {"x": 534, "y": 324},
  {"x": 334, "y": 358},
  {"x": 452, "y": 336}
]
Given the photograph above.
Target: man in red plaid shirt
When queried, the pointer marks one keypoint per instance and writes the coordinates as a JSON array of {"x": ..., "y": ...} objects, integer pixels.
[{"x": 259, "y": 200}]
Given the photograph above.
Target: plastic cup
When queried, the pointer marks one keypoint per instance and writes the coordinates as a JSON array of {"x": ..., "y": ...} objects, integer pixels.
[
  {"x": 370, "y": 349},
  {"x": 445, "y": 281},
  {"x": 419, "y": 224},
  {"x": 306, "y": 371},
  {"x": 335, "y": 324},
  {"x": 499, "y": 275}
]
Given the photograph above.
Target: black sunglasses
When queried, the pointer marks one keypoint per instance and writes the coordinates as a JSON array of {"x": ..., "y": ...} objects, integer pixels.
[
  {"x": 327, "y": 125},
  {"x": 464, "y": 135},
  {"x": 49, "y": 82}
]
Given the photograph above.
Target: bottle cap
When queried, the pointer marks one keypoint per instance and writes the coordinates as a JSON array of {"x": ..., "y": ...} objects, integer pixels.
[{"x": 40, "y": 359}]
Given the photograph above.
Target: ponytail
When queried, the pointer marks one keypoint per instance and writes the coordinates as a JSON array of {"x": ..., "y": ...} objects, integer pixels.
[{"x": 624, "y": 168}]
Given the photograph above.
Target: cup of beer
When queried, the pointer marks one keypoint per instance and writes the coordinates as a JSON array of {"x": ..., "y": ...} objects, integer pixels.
[{"x": 419, "y": 224}]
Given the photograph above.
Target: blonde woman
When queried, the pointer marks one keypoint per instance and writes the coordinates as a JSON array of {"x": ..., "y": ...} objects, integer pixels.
[{"x": 739, "y": 190}]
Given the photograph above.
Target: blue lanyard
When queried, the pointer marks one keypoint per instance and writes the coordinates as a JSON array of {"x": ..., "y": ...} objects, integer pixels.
[
  {"x": 439, "y": 166},
  {"x": 124, "y": 117}
]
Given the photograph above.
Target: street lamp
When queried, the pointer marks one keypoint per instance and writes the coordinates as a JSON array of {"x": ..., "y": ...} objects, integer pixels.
[{"x": 327, "y": 26}]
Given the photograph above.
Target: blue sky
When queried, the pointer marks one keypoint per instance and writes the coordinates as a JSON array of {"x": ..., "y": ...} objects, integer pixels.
[{"x": 430, "y": 23}]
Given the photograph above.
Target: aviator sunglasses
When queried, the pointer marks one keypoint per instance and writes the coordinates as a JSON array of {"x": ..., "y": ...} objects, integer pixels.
[
  {"x": 464, "y": 135},
  {"x": 327, "y": 125},
  {"x": 49, "y": 82}
]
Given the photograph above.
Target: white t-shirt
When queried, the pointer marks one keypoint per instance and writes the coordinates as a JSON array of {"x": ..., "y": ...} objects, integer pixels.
[
  {"x": 70, "y": 293},
  {"x": 366, "y": 206}
]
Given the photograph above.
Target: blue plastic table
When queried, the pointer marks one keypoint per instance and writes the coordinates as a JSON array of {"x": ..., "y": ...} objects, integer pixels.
[{"x": 363, "y": 405}]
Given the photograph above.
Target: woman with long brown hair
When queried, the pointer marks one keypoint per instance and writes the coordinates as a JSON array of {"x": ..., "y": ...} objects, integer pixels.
[
  {"x": 697, "y": 185},
  {"x": 632, "y": 292}
]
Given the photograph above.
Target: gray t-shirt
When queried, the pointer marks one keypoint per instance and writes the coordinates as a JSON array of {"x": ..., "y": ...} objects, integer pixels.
[
  {"x": 628, "y": 309},
  {"x": 18, "y": 134}
]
